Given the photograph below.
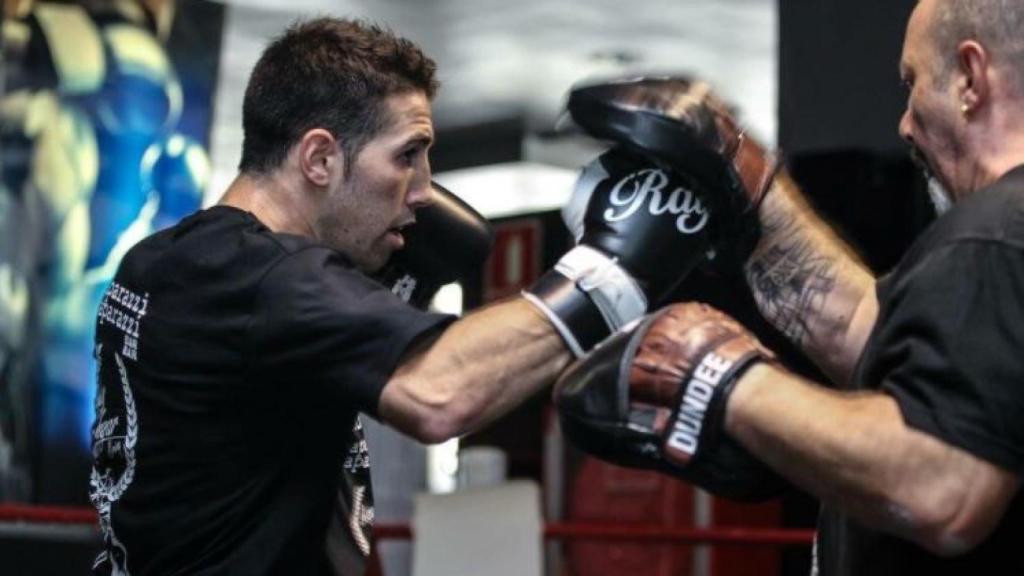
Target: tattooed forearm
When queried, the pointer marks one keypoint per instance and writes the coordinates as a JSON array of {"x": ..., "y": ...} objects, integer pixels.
[
  {"x": 809, "y": 284},
  {"x": 790, "y": 279}
]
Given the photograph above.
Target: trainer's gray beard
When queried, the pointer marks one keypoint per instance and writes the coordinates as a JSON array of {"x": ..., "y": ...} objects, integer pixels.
[
  {"x": 938, "y": 194},
  {"x": 942, "y": 201}
]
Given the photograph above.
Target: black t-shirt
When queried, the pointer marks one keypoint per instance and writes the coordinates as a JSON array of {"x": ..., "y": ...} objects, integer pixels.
[
  {"x": 232, "y": 365},
  {"x": 948, "y": 345}
]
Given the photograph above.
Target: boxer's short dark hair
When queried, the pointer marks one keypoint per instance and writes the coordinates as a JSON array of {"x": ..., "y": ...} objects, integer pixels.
[{"x": 328, "y": 73}]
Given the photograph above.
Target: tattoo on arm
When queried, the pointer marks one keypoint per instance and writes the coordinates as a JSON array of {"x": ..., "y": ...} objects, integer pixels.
[{"x": 790, "y": 279}]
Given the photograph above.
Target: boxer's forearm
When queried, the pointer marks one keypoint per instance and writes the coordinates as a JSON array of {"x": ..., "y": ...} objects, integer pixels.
[
  {"x": 479, "y": 369},
  {"x": 809, "y": 284},
  {"x": 854, "y": 452}
]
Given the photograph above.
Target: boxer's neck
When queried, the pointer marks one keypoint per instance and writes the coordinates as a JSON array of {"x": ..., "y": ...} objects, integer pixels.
[{"x": 273, "y": 200}]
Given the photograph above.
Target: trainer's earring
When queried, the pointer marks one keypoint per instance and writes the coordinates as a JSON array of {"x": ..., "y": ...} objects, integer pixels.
[{"x": 964, "y": 108}]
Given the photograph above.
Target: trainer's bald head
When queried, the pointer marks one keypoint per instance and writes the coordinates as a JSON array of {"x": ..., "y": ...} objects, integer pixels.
[{"x": 995, "y": 24}]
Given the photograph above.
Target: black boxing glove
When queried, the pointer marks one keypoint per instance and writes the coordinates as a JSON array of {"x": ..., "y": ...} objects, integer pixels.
[
  {"x": 449, "y": 240},
  {"x": 680, "y": 123},
  {"x": 640, "y": 230},
  {"x": 655, "y": 397}
]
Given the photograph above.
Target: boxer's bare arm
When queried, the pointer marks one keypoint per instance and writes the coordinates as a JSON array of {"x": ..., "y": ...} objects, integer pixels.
[
  {"x": 809, "y": 284},
  {"x": 854, "y": 452},
  {"x": 480, "y": 368}
]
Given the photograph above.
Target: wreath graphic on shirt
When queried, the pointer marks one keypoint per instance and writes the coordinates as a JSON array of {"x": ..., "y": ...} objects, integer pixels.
[
  {"x": 108, "y": 485},
  {"x": 113, "y": 457}
]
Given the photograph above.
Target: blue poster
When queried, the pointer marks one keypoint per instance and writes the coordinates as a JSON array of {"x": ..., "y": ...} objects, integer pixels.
[{"x": 106, "y": 109}]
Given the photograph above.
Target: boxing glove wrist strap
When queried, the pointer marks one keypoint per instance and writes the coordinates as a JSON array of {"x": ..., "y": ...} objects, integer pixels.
[{"x": 587, "y": 297}]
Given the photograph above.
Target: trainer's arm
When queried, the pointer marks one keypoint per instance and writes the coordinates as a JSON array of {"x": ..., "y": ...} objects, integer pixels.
[
  {"x": 855, "y": 453},
  {"x": 478, "y": 369},
  {"x": 809, "y": 284}
]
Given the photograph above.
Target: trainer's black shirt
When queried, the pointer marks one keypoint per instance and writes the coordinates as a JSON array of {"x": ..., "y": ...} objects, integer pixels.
[
  {"x": 232, "y": 365},
  {"x": 948, "y": 345}
]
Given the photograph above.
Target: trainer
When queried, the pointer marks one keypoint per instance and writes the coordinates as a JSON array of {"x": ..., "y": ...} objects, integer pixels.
[{"x": 917, "y": 456}]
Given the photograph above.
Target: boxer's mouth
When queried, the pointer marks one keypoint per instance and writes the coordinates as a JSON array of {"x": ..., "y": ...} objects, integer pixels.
[
  {"x": 397, "y": 233},
  {"x": 400, "y": 228}
]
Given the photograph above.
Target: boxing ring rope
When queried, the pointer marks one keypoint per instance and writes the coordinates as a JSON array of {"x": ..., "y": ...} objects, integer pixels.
[
  {"x": 32, "y": 514},
  {"x": 565, "y": 531}
]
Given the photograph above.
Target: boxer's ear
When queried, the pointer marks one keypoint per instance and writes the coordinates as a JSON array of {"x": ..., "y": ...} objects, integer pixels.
[{"x": 319, "y": 156}]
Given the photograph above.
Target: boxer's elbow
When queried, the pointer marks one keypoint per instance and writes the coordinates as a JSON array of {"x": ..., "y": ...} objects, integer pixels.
[
  {"x": 429, "y": 414},
  {"x": 443, "y": 425}
]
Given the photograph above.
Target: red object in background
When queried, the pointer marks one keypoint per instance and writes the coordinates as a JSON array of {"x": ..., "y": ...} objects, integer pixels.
[
  {"x": 746, "y": 560},
  {"x": 604, "y": 492},
  {"x": 514, "y": 263},
  {"x": 608, "y": 493}
]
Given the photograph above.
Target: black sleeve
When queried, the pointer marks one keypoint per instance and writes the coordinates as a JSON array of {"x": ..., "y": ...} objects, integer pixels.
[
  {"x": 321, "y": 323},
  {"x": 952, "y": 348}
]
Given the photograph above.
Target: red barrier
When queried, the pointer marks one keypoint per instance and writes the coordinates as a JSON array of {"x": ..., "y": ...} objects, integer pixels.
[
  {"x": 563, "y": 531},
  {"x": 46, "y": 514},
  {"x": 659, "y": 534}
]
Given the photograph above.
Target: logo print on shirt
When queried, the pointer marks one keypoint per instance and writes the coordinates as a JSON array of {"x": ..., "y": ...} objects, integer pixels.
[{"x": 114, "y": 440}]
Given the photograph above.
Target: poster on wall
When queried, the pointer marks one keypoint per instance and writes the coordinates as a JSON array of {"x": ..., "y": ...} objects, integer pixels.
[{"x": 105, "y": 114}]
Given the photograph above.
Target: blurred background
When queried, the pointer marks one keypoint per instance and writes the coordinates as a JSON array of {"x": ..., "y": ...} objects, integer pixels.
[{"x": 118, "y": 117}]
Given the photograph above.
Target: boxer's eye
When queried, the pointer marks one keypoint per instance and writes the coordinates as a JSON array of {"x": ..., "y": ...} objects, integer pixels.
[
  {"x": 413, "y": 148},
  {"x": 408, "y": 156}
]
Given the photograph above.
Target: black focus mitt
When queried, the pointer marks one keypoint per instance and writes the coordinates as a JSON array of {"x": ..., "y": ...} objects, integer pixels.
[{"x": 655, "y": 396}]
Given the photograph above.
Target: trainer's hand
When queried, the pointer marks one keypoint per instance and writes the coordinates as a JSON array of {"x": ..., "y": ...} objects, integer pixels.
[{"x": 656, "y": 396}]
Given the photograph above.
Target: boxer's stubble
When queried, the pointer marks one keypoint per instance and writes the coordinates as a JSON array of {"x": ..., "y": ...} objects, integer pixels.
[{"x": 383, "y": 186}]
